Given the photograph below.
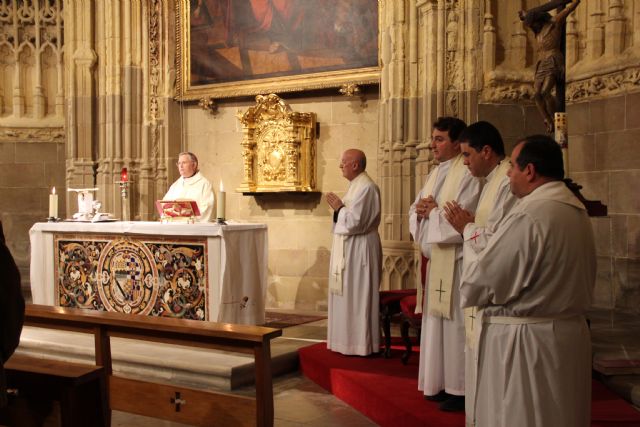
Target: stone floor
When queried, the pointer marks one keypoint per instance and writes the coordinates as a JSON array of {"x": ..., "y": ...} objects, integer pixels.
[
  {"x": 616, "y": 351},
  {"x": 300, "y": 402},
  {"x": 297, "y": 400}
]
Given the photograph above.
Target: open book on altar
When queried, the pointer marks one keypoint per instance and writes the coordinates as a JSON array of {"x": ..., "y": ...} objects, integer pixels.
[{"x": 177, "y": 209}]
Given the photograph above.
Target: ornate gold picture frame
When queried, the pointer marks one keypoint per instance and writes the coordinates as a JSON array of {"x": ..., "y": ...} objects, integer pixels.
[{"x": 230, "y": 48}]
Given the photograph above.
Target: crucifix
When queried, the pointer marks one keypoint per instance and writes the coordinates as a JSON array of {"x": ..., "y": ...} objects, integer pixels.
[
  {"x": 440, "y": 291},
  {"x": 550, "y": 36}
]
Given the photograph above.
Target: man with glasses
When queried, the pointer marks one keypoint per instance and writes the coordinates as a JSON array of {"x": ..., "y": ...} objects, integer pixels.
[
  {"x": 356, "y": 262},
  {"x": 192, "y": 185}
]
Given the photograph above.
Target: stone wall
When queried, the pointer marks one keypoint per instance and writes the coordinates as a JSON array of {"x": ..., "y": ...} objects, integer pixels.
[
  {"x": 32, "y": 138},
  {"x": 604, "y": 156},
  {"x": 299, "y": 224},
  {"x": 605, "y": 159},
  {"x": 28, "y": 170}
]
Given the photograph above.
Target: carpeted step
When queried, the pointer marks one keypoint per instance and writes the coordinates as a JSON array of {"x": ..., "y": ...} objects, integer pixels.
[
  {"x": 384, "y": 390},
  {"x": 387, "y": 391}
]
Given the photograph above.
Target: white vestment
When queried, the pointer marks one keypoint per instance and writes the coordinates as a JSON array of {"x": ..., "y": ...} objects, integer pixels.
[
  {"x": 500, "y": 201},
  {"x": 197, "y": 188},
  {"x": 442, "y": 340},
  {"x": 534, "y": 281},
  {"x": 354, "y": 324}
]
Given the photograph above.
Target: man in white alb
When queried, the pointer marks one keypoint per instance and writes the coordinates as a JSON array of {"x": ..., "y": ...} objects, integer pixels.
[
  {"x": 356, "y": 262},
  {"x": 441, "y": 373},
  {"x": 534, "y": 281},
  {"x": 484, "y": 155},
  {"x": 192, "y": 185}
]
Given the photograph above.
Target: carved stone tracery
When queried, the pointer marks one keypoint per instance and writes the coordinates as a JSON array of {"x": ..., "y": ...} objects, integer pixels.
[
  {"x": 602, "y": 60},
  {"x": 31, "y": 64}
]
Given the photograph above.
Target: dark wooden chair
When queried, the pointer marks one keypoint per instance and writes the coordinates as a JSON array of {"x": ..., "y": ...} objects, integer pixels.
[
  {"x": 390, "y": 307},
  {"x": 409, "y": 320}
]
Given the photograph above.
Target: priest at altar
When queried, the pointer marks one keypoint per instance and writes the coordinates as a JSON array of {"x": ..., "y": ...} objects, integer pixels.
[{"x": 192, "y": 185}]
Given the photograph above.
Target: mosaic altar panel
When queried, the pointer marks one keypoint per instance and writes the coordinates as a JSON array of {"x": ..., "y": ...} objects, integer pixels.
[{"x": 133, "y": 275}]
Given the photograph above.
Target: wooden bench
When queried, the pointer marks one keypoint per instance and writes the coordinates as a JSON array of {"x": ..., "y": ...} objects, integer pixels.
[
  {"x": 179, "y": 404},
  {"x": 80, "y": 389}
]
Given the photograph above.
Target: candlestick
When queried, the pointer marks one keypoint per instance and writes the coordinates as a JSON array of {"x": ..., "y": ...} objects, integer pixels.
[
  {"x": 221, "y": 202},
  {"x": 53, "y": 204}
]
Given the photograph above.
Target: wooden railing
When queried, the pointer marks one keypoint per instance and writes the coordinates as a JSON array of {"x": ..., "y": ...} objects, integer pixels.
[{"x": 180, "y": 404}]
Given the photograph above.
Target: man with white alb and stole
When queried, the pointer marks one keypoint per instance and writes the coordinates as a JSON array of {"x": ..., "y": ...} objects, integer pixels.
[
  {"x": 192, "y": 185},
  {"x": 441, "y": 370},
  {"x": 356, "y": 262},
  {"x": 483, "y": 151},
  {"x": 534, "y": 282}
]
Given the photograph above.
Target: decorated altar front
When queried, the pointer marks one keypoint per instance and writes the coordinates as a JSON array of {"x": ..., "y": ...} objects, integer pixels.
[{"x": 207, "y": 271}]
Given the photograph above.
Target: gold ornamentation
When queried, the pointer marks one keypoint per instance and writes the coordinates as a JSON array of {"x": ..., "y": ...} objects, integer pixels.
[
  {"x": 209, "y": 104},
  {"x": 278, "y": 148},
  {"x": 350, "y": 89}
]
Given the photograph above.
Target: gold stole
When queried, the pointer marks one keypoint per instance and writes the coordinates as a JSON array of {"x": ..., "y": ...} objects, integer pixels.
[
  {"x": 337, "y": 248},
  {"x": 443, "y": 256},
  {"x": 427, "y": 190},
  {"x": 473, "y": 316}
]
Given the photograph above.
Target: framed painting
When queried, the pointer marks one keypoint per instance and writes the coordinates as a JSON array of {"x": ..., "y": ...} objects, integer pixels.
[{"x": 230, "y": 48}]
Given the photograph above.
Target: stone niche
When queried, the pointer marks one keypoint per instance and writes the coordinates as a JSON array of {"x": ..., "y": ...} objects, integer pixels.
[{"x": 278, "y": 148}]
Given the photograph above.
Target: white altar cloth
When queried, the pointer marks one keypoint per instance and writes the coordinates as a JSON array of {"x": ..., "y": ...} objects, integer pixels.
[{"x": 237, "y": 262}]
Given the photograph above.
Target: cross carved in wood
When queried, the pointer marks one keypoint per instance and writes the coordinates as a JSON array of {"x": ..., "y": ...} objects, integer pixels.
[{"x": 178, "y": 401}]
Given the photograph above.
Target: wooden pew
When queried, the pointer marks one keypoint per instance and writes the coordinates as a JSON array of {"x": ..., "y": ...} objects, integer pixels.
[
  {"x": 180, "y": 404},
  {"x": 79, "y": 388}
]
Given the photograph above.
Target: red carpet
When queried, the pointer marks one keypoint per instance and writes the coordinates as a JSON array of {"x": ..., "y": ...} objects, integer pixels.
[{"x": 387, "y": 391}]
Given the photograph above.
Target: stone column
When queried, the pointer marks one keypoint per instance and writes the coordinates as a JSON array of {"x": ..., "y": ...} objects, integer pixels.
[
  {"x": 430, "y": 62},
  {"x": 80, "y": 99},
  {"x": 117, "y": 111},
  {"x": 399, "y": 135}
]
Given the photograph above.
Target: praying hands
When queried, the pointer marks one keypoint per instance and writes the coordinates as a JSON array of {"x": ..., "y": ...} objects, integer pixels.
[
  {"x": 334, "y": 201},
  {"x": 457, "y": 216},
  {"x": 425, "y": 206}
]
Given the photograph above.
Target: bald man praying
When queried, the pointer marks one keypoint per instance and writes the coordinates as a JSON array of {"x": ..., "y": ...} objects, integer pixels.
[{"x": 356, "y": 262}]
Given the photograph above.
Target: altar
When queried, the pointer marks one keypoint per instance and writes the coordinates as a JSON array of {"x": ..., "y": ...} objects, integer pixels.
[{"x": 204, "y": 271}]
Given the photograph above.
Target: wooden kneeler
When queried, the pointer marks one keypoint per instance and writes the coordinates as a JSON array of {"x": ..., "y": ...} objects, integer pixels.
[
  {"x": 80, "y": 389},
  {"x": 180, "y": 404}
]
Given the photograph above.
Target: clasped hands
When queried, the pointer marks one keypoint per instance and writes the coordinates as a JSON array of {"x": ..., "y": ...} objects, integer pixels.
[
  {"x": 425, "y": 206},
  {"x": 334, "y": 201},
  {"x": 457, "y": 216}
]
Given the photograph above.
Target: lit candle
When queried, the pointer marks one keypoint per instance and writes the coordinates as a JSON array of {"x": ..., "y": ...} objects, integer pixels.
[
  {"x": 220, "y": 209},
  {"x": 53, "y": 204},
  {"x": 124, "y": 175}
]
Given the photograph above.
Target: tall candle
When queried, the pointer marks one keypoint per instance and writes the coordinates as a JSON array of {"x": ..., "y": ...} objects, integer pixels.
[
  {"x": 53, "y": 204},
  {"x": 220, "y": 208}
]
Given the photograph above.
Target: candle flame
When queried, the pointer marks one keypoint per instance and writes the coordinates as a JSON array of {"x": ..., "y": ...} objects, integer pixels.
[
  {"x": 221, "y": 186},
  {"x": 53, "y": 190}
]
